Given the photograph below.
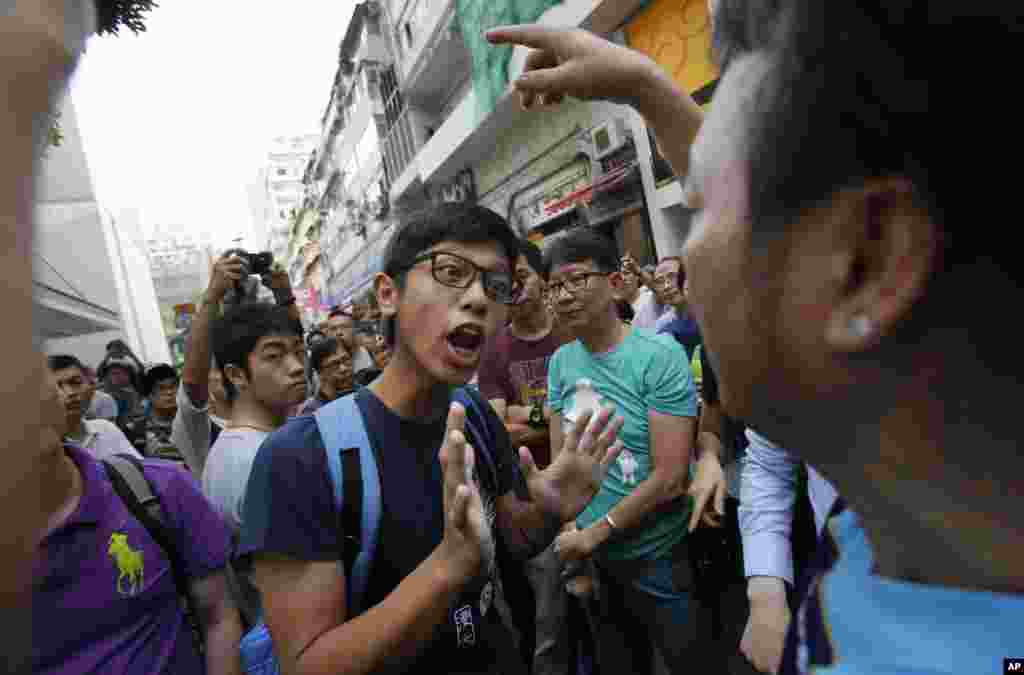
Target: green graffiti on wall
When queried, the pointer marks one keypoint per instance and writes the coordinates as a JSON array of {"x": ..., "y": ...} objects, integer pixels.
[{"x": 490, "y": 63}]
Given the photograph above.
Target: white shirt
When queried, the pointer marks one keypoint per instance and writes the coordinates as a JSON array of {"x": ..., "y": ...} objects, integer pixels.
[
  {"x": 103, "y": 439},
  {"x": 227, "y": 471},
  {"x": 103, "y": 406},
  {"x": 646, "y": 310},
  {"x": 190, "y": 432},
  {"x": 768, "y": 486}
]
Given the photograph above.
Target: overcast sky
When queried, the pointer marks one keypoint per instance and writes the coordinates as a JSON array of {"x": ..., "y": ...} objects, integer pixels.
[{"x": 177, "y": 121}]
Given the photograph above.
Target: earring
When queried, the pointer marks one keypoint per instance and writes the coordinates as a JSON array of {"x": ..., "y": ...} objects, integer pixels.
[{"x": 860, "y": 325}]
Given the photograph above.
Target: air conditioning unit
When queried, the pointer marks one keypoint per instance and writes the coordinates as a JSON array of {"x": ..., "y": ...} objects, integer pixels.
[{"x": 608, "y": 137}]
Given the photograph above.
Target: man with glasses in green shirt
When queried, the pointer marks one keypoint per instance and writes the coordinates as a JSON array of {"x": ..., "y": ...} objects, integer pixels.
[{"x": 635, "y": 528}]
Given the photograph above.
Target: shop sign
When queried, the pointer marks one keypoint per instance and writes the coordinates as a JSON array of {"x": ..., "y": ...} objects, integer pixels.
[{"x": 544, "y": 202}]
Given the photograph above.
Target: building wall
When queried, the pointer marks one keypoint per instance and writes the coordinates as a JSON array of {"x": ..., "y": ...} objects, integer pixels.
[
  {"x": 72, "y": 262},
  {"x": 535, "y": 145},
  {"x": 677, "y": 35}
]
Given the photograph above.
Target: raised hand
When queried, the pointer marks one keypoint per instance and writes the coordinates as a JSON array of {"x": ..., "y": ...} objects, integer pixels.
[
  {"x": 575, "y": 62},
  {"x": 468, "y": 544},
  {"x": 574, "y": 477},
  {"x": 225, "y": 274}
]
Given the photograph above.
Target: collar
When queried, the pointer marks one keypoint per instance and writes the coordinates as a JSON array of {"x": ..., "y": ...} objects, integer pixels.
[
  {"x": 96, "y": 490},
  {"x": 883, "y": 623}
]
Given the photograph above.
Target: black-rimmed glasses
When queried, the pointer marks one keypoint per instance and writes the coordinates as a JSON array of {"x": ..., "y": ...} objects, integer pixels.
[
  {"x": 574, "y": 283},
  {"x": 454, "y": 271}
]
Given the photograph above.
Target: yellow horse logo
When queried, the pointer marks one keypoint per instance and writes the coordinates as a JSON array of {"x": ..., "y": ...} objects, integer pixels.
[{"x": 129, "y": 563}]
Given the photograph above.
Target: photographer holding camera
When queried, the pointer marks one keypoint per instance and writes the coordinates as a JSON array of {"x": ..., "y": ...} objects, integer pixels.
[{"x": 204, "y": 406}]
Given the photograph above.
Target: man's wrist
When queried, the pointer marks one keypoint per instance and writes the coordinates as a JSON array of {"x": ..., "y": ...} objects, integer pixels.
[
  {"x": 762, "y": 589},
  {"x": 599, "y": 533}
]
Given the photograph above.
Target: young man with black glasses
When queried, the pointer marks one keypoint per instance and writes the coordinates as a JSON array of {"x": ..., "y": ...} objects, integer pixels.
[
  {"x": 341, "y": 324},
  {"x": 453, "y": 515},
  {"x": 635, "y": 528},
  {"x": 333, "y": 365}
]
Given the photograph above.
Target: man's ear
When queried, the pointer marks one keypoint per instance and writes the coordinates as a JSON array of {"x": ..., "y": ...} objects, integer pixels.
[
  {"x": 890, "y": 248},
  {"x": 388, "y": 295},
  {"x": 236, "y": 376}
]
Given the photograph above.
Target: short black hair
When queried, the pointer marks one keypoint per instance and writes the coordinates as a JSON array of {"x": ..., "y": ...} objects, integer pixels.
[
  {"x": 321, "y": 350},
  {"x": 579, "y": 245},
  {"x": 461, "y": 223},
  {"x": 534, "y": 257},
  {"x": 236, "y": 333},
  {"x": 739, "y": 26},
  {"x": 63, "y": 361},
  {"x": 157, "y": 374},
  {"x": 854, "y": 93}
]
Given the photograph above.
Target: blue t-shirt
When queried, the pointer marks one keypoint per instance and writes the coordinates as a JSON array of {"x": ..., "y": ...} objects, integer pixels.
[
  {"x": 644, "y": 373},
  {"x": 683, "y": 328},
  {"x": 289, "y": 509},
  {"x": 870, "y": 625}
]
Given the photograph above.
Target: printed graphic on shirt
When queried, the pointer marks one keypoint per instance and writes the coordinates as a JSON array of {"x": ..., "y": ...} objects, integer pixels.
[
  {"x": 158, "y": 440},
  {"x": 464, "y": 628},
  {"x": 129, "y": 564},
  {"x": 583, "y": 397},
  {"x": 628, "y": 465},
  {"x": 530, "y": 380}
]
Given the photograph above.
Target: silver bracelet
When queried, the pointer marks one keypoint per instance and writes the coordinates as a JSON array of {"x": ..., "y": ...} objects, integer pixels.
[{"x": 611, "y": 523}]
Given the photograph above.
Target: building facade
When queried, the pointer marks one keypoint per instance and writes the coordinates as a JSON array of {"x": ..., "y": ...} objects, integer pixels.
[
  {"x": 282, "y": 189},
  {"x": 449, "y": 129}
]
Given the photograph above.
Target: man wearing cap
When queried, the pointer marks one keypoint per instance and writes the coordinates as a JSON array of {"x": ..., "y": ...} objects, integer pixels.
[{"x": 151, "y": 432}]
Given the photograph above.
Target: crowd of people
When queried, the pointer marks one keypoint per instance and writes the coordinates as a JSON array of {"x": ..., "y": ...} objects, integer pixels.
[{"x": 777, "y": 450}]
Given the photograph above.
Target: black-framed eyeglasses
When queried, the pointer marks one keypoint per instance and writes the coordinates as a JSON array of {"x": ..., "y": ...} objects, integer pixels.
[
  {"x": 574, "y": 283},
  {"x": 454, "y": 271}
]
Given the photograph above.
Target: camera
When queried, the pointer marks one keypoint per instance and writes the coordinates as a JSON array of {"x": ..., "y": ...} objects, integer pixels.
[
  {"x": 247, "y": 290},
  {"x": 255, "y": 263}
]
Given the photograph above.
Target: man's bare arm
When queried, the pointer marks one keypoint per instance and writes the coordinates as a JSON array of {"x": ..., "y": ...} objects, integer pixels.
[{"x": 306, "y": 610}]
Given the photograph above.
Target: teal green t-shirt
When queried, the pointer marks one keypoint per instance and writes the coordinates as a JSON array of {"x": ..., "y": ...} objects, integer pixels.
[{"x": 645, "y": 372}]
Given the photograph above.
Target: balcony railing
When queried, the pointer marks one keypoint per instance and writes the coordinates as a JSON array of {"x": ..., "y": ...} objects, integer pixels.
[{"x": 399, "y": 147}]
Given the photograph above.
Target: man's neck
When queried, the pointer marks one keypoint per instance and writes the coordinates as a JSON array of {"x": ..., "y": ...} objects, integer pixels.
[
  {"x": 76, "y": 429},
  {"x": 532, "y": 323},
  {"x": 64, "y": 491},
  {"x": 162, "y": 414},
  {"x": 936, "y": 493},
  {"x": 409, "y": 391},
  {"x": 249, "y": 413},
  {"x": 220, "y": 409},
  {"x": 604, "y": 335}
]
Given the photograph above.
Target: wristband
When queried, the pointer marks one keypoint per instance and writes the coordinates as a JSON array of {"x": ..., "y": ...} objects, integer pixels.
[{"x": 611, "y": 523}]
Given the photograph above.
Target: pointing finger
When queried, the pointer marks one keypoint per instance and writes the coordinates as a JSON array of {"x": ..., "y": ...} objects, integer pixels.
[{"x": 528, "y": 35}]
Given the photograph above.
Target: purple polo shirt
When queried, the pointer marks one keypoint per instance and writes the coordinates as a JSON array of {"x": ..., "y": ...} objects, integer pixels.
[{"x": 104, "y": 599}]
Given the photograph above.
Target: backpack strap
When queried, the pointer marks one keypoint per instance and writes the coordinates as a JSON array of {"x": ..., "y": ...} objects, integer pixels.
[
  {"x": 477, "y": 430},
  {"x": 357, "y": 491},
  {"x": 131, "y": 485}
]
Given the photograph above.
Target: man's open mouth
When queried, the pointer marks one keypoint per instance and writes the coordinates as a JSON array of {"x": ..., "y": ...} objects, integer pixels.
[{"x": 466, "y": 341}]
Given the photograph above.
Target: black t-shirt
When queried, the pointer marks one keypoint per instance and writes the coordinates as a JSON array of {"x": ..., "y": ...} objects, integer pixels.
[{"x": 290, "y": 510}]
